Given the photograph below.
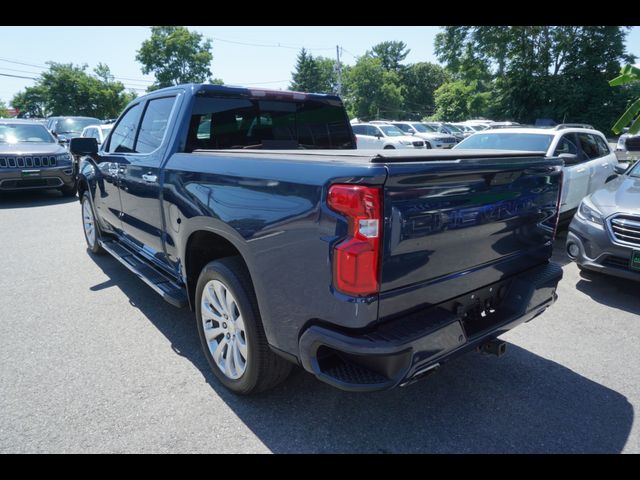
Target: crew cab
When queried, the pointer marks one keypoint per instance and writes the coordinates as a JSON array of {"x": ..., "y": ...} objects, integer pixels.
[{"x": 369, "y": 269}]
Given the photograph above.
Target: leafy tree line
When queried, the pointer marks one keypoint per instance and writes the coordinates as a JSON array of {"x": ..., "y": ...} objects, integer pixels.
[
  {"x": 67, "y": 89},
  {"x": 378, "y": 85},
  {"x": 519, "y": 73}
]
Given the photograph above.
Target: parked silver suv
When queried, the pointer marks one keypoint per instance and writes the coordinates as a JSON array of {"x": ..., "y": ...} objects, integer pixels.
[{"x": 31, "y": 158}]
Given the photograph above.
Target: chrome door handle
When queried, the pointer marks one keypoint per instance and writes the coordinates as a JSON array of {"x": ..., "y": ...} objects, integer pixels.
[{"x": 150, "y": 178}]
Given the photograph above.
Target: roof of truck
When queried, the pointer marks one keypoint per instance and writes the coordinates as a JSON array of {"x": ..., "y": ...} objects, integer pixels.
[{"x": 253, "y": 92}]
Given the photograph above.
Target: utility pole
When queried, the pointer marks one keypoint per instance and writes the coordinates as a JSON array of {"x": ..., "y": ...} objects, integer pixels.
[{"x": 339, "y": 69}]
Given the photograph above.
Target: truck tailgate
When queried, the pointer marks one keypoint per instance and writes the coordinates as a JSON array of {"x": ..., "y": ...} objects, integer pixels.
[{"x": 452, "y": 226}]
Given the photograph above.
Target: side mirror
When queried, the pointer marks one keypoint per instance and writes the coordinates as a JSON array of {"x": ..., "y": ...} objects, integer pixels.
[
  {"x": 621, "y": 168},
  {"x": 83, "y": 146},
  {"x": 569, "y": 158}
]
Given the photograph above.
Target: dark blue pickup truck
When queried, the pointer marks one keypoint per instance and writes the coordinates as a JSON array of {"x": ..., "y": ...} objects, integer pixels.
[{"x": 369, "y": 269}]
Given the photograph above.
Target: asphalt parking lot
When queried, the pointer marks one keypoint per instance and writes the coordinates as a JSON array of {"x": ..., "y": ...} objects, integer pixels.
[{"x": 92, "y": 360}]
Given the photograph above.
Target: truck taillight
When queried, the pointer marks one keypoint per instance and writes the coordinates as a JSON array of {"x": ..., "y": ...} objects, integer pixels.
[{"x": 356, "y": 259}]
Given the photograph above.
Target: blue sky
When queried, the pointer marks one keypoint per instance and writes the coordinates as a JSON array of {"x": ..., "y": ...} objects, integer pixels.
[{"x": 267, "y": 66}]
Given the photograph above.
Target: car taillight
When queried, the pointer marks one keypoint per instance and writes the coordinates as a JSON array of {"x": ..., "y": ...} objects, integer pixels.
[
  {"x": 560, "y": 182},
  {"x": 356, "y": 259}
]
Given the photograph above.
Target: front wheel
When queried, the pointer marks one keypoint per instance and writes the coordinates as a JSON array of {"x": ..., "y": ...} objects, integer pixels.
[
  {"x": 389, "y": 147},
  {"x": 231, "y": 331},
  {"x": 71, "y": 191},
  {"x": 89, "y": 225}
]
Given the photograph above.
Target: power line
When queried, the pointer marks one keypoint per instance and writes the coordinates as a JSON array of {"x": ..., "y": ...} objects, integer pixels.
[
  {"x": 279, "y": 45},
  {"x": 135, "y": 80},
  {"x": 17, "y": 76},
  {"x": 17, "y": 70}
]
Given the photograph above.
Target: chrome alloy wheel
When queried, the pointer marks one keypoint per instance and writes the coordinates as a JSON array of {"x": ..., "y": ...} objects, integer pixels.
[
  {"x": 88, "y": 222},
  {"x": 224, "y": 329}
]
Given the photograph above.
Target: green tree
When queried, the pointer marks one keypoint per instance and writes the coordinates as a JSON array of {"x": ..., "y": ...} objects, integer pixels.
[
  {"x": 67, "y": 89},
  {"x": 31, "y": 102},
  {"x": 419, "y": 82},
  {"x": 373, "y": 91},
  {"x": 175, "y": 55},
  {"x": 391, "y": 54},
  {"x": 629, "y": 75},
  {"x": 4, "y": 112},
  {"x": 305, "y": 76},
  {"x": 313, "y": 74},
  {"x": 540, "y": 71},
  {"x": 457, "y": 100}
]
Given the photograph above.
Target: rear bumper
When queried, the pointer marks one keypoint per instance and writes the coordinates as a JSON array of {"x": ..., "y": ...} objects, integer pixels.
[{"x": 401, "y": 350}]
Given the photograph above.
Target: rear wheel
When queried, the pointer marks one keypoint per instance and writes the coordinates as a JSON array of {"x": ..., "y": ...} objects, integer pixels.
[
  {"x": 231, "y": 331},
  {"x": 90, "y": 227},
  {"x": 389, "y": 147}
]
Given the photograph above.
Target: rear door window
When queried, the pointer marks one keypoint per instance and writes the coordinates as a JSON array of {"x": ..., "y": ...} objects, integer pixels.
[
  {"x": 603, "y": 146},
  {"x": 359, "y": 129},
  {"x": 154, "y": 124},
  {"x": 588, "y": 145},
  {"x": 566, "y": 144}
]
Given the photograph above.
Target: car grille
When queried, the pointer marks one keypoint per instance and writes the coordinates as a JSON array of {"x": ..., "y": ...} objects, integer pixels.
[
  {"x": 626, "y": 229},
  {"x": 446, "y": 140},
  {"x": 616, "y": 262},
  {"x": 22, "y": 161},
  {"x": 418, "y": 144},
  {"x": 633, "y": 143}
]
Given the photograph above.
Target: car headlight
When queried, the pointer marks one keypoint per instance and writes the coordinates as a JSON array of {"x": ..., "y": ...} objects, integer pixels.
[
  {"x": 621, "y": 144},
  {"x": 64, "y": 158},
  {"x": 589, "y": 212}
]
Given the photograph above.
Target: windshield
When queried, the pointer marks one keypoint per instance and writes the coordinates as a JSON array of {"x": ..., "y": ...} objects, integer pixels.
[
  {"x": 106, "y": 129},
  {"x": 422, "y": 128},
  {"x": 635, "y": 170},
  {"x": 507, "y": 141},
  {"x": 429, "y": 128},
  {"x": 453, "y": 127},
  {"x": 73, "y": 125},
  {"x": 18, "y": 133},
  {"x": 391, "y": 130}
]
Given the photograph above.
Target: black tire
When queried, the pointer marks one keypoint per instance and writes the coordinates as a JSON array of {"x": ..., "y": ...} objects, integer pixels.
[
  {"x": 70, "y": 191},
  {"x": 95, "y": 247},
  {"x": 264, "y": 369},
  {"x": 389, "y": 147}
]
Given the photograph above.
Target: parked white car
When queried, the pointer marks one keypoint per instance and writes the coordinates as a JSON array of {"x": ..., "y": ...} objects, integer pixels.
[
  {"x": 588, "y": 158},
  {"x": 99, "y": 132},
  {"x": 432, "y": 138},
  {"x": 383, "y": 136}
]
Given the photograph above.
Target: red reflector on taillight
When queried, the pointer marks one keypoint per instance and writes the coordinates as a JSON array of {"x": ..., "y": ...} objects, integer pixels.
[{"x": 355, "y": 260}]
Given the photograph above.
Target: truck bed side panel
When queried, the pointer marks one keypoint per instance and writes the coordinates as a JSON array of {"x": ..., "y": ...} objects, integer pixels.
[{"x": 272, "y": 211}]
